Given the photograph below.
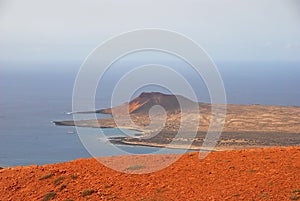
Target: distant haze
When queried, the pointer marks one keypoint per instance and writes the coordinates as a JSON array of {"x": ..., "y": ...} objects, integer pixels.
[{"x": 35, "y": 32}]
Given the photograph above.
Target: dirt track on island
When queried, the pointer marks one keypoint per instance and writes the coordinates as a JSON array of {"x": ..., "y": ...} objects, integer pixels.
[{"x": 258, "y": 174}]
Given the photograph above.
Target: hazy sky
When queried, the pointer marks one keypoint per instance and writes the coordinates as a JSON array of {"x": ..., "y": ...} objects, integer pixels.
[{"x": 35, "y": 31}]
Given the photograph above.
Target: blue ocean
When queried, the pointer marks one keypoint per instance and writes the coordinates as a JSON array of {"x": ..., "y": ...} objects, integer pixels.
[{"x": 30, "y": 100}]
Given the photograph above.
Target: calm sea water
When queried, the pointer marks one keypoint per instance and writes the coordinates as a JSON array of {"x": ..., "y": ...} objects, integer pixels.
[{"x": 31, "y": 100}]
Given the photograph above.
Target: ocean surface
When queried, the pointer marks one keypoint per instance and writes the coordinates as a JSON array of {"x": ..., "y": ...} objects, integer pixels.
[{"x": 30, "y": 100}]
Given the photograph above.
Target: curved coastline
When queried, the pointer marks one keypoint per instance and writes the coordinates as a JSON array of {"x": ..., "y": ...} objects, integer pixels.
[{"x": 246, "y": 126}]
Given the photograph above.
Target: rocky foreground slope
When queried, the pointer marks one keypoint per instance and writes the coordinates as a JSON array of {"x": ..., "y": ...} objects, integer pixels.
[{"x": 258, "y": 174}]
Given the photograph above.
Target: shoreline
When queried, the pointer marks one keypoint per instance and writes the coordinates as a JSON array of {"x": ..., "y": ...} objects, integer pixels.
[
  {"x": 195, "y": 147},
  {"x": 152, "y": 144}
]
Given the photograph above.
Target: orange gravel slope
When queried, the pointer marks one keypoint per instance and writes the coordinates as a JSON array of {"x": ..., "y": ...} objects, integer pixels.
[{"x": 258, "y": 174}]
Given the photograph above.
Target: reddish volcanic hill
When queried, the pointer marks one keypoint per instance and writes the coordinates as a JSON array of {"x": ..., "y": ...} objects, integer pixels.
[
  {"x": 260, "y": 174},
  {"x": 145, "y": 101}
]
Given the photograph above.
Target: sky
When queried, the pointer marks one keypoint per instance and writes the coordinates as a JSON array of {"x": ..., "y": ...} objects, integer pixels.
[{"x": 34, "y": 32}]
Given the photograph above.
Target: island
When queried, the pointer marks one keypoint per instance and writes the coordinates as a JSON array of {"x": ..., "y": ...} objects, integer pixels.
[{"x": 246, "y": 126}]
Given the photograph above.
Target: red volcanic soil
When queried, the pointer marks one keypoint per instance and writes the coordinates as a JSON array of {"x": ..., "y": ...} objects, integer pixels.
[{"x": 258, "y": 174}]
